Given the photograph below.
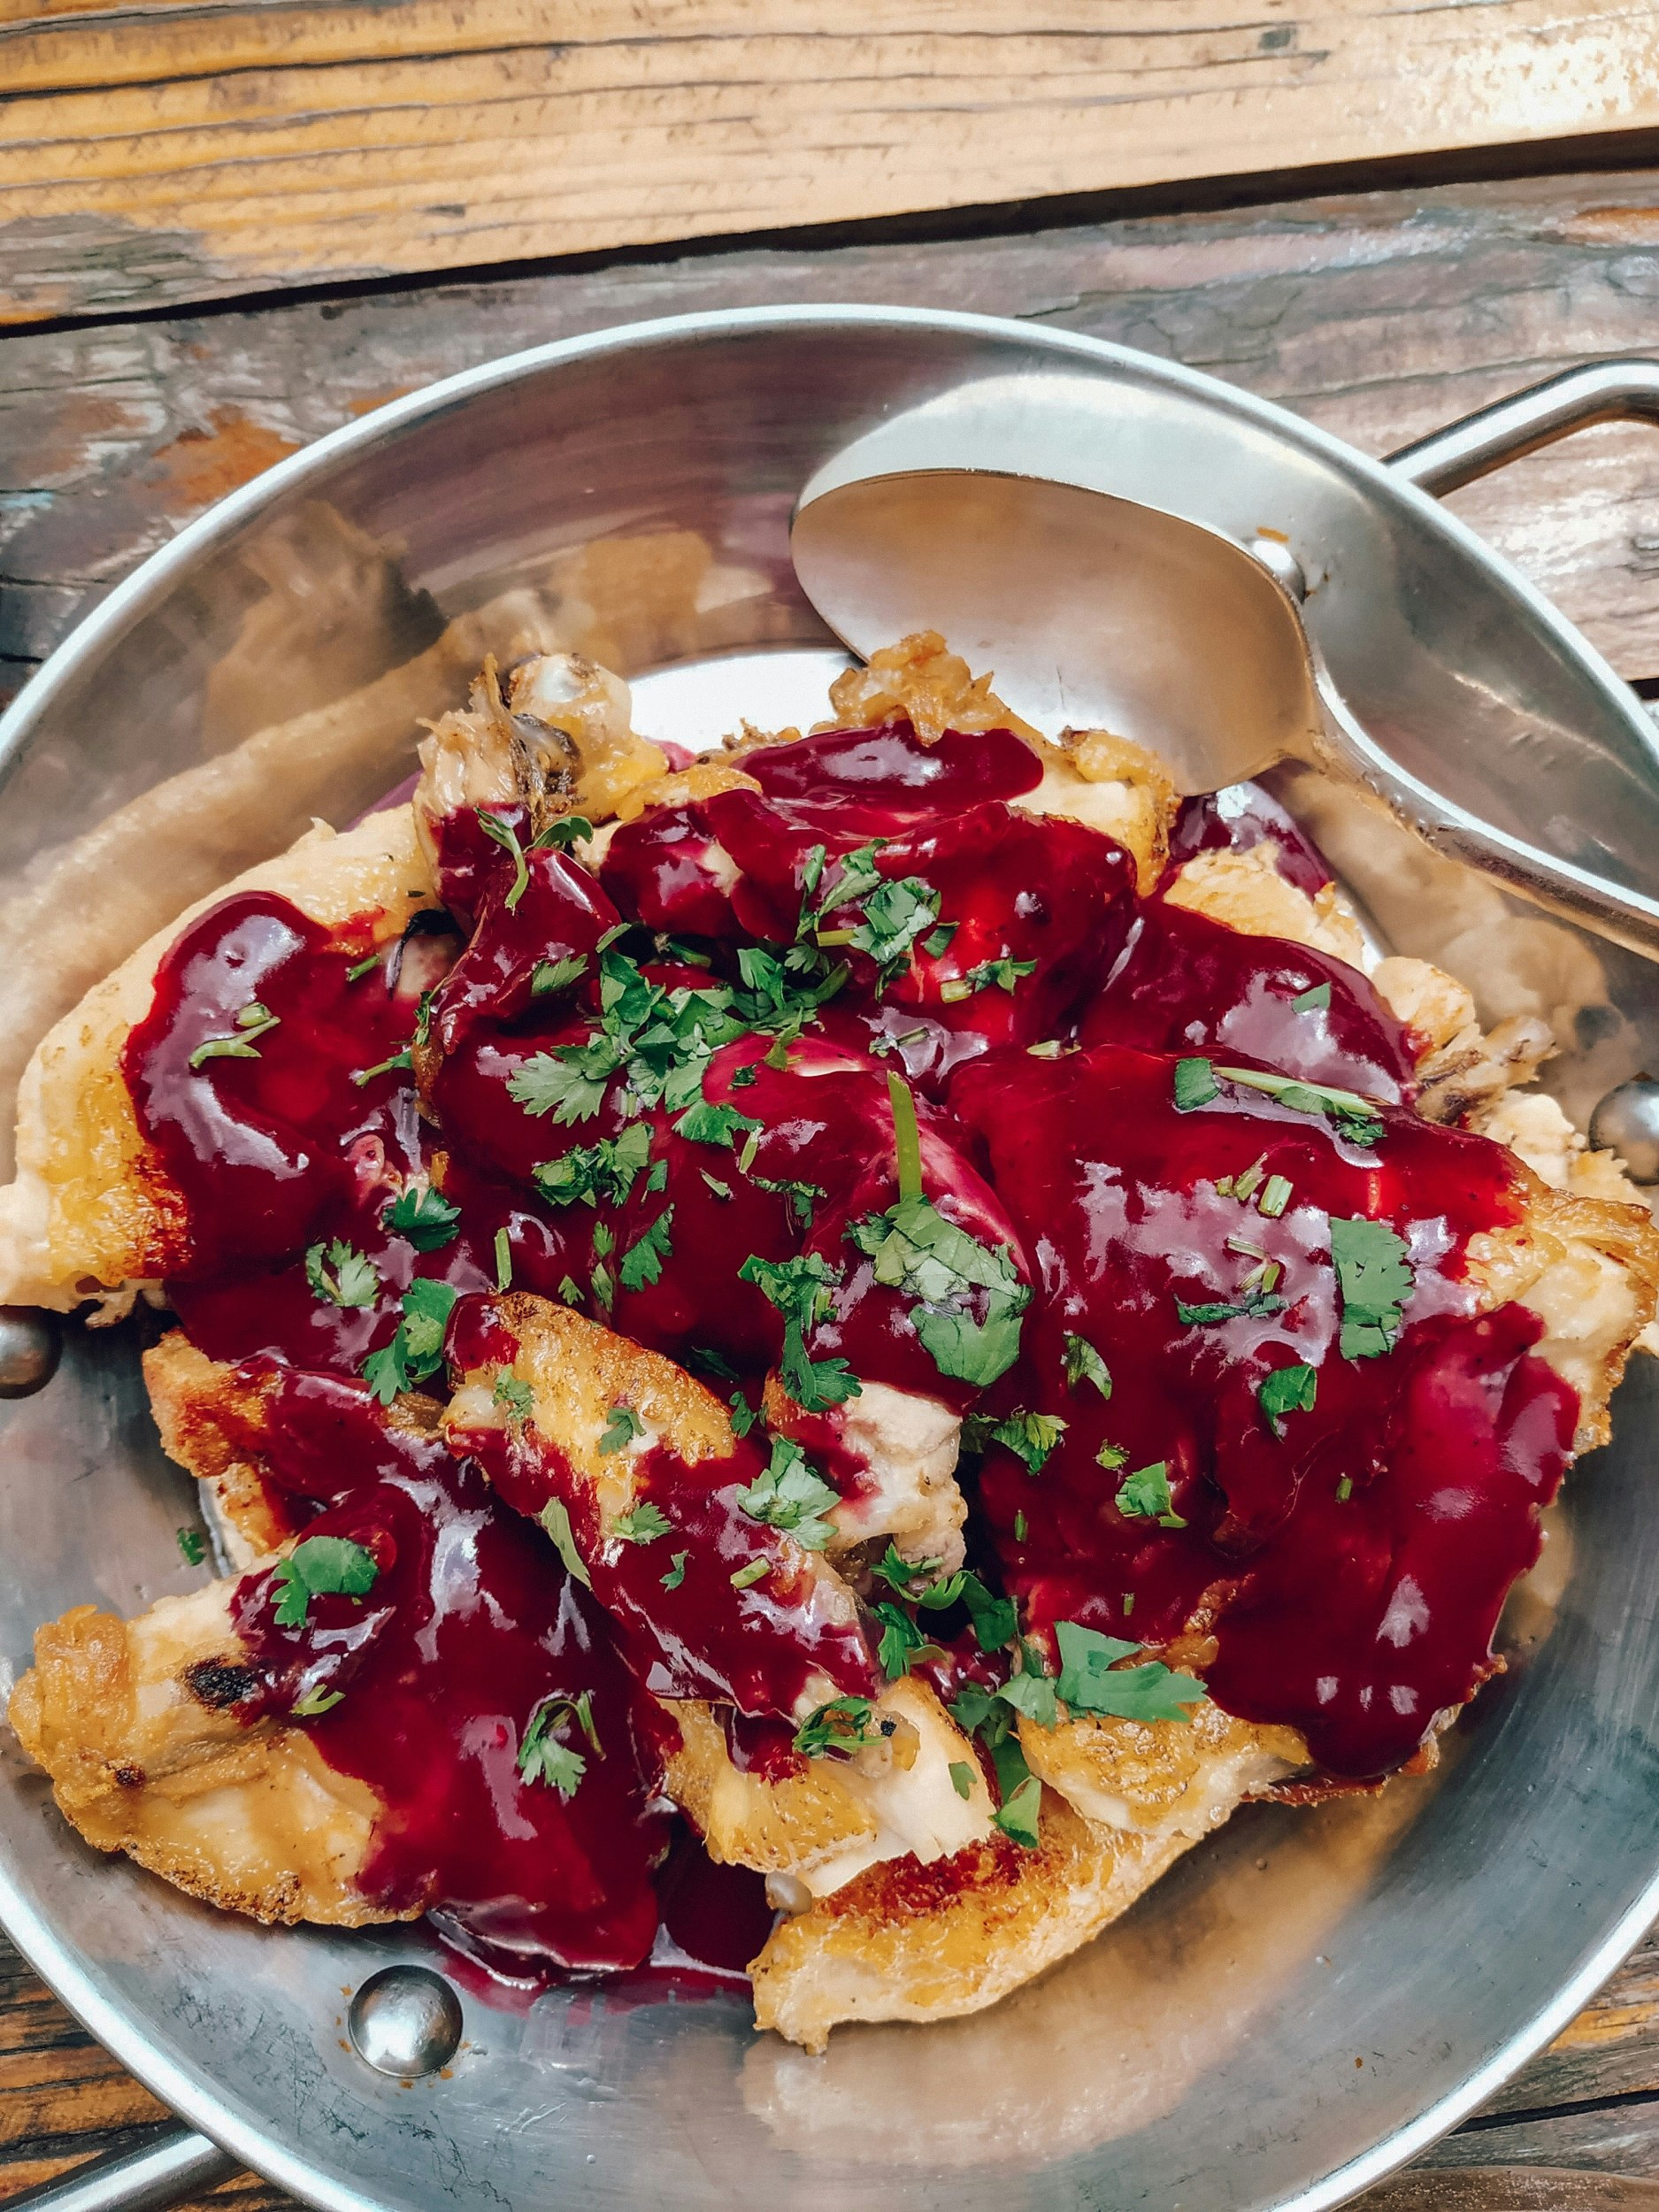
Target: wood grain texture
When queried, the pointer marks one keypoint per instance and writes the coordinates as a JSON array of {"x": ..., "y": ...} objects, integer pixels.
[
  {"x": 1379, "y": 315},
  {"x": 167, "y": 151}
]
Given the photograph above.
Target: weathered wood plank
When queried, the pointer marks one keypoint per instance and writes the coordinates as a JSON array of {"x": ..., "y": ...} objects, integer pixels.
[
  {"x": 158, "y": 152},
  {"x": 1379, "y": 315}
]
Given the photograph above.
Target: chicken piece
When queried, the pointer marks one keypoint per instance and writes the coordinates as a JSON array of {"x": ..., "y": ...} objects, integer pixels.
[
  {"x": 812, "y": 1832},
  {"x": 91, "y": 1214},
  {"x": 1537, "y": 1130},
  {"x": 134, "y": 1722},
  {"x": 553, "y": 734},
  {"x": 897, "y": 1793},
  {"x": 923, "y": 680},
  {"x": 1158, "y": 1778},
  {"x": 908, "y": 1942},
  {"x": 1589, "y": 1269},
  {"x": 212, "y": 1420},
  {"x": 907, "y": 1446},
  {"x": 1112, "y": 785},
  {"x": 1246, "y": 890}
]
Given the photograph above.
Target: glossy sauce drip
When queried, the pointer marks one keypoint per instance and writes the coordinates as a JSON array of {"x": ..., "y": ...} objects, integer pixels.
[
  {"x": 471, "y": 1623},
  {"x": 1189, "y": 984},
  {"x": 1352, "y": 1566}
]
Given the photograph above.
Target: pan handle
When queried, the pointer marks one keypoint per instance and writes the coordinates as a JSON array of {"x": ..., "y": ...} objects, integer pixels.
[
  {"x": 173, "y": 2163},
  {"x": 1606, "y": 391}
]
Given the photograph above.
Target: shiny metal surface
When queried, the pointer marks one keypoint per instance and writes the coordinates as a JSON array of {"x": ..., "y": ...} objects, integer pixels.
[
  {"x": 1626, "y": 1121},
  {"x": 405, "y": 2021},
  {"x": 633, "y": 491},
  {"x": 173, "y": 2163},
  {"x": 1605, "y": 391},
  {"x": 31, "y": 1343},
  {"x": 1101, "y": 612}
]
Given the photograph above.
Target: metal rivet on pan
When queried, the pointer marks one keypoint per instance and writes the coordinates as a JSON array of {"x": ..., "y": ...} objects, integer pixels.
[
  {"x": 405, "y": 2020},
  {"x": 1627, "y": 1122},
  {"x": 1281, "y": 564},
  {"x": 30, "y": 1342}
]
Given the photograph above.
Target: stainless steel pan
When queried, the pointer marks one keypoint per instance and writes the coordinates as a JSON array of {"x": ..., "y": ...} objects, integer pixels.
[{"x": 1312, "y": 1998}]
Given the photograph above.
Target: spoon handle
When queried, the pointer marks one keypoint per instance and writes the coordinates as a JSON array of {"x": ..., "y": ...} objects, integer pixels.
[{"x": 1608, "y": 909}]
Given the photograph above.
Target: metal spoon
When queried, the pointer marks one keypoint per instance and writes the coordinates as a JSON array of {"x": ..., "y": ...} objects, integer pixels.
[{"x": 1102, "y": 614}]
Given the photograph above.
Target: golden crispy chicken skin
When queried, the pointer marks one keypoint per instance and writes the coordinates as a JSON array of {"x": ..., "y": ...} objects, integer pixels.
[{"x": 135, "y": 1722}]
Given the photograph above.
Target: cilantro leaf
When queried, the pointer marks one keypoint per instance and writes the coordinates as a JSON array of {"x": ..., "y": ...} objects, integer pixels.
[
  {"x": 899, "y": 1573},
  {"x": 1313, "y": 1000},
  {"x": 788, "y": 1494},
  {"x": 1032, "y": 1694},
  {"x": 900, "y": 1639},
  {"x": 562, "y": 1084},
  {"x": 422, "y": 1217},
  {"x": 516, "y": 1398},
  {"x": 555, "y": 1519},
  {"x": 1084, "y": 1364},
  {"x": 1091, "y": 1681},
  {"x": 556, "y": 975},
  {"x": 676, "y": 1573},
  {"x": 838, "y": 1729},
  {"x": 712, "y": 1362},
  {"x": 642, "y": 1265},
  {"x": 192, "y": 1550},
  {"x": 542, "y": 1759},
  {"x": 1351, "y": 1115},
  {"x": 1254, "y": 1306},
  {"x": 1195, "y": 1084},
  {"x": 1146, "y": 1495},
  {"x": 928, "y": 1258},
  {"x": 1005, "y": 973},
  {"x": 995, "y": 1620},
  {"x": 801, "y": 1289},
  {"x": 1030, "y": 1437},
  {"x": 251, "y": 1021},
  {"x": 341, "y": 1274},
  {"x": 644, "y": 1525},
  {"x": 1286, "y": 1390},
  {"x": 962, "y": 1778},
  {"x": 606, "y": 1170},
  {"x": 743, "y": 1414},
  {"x": 1020, "y": 1814},
  {"x": 621, "y": 1427},
  {"x": 415, "y": 1351},
  {"x": 1374, "y": 1279},
  {"x": 320, "y": 1566},
  {"x": 702, "y": 1123}
]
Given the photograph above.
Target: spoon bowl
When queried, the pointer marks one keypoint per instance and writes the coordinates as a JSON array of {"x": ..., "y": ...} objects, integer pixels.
[{"x": 1095, "y": 611}]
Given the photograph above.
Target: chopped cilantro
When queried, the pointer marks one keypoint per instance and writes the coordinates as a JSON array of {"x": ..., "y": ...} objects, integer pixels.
[
  {"x": 1032, "y": 1692},
  {"x": 622, "y": 1426},
  {"x": 899, "y": 1573},
  {"x": 191, "y": 1547},
  {"x": 1253, "y": 1306},
  {"x": 712, "y": 1362},
  {"x": 1003, "y": 974},
  {"x": 962, "y": 1778},
  {"x": 317, "y": 1567},
  {"x": 557, "y": 975},
  {"x": 937, "y": 942},
  {"x": 1344, "y": 1490},
  {"x": 746, "y": 1577},
  {"x": 743, "y": 1414},
  {"x": 801, "y": 1196},
  {"x": 542, "y": 1759},
  {"x": 252, "y": 1021},
  {"x": 644, "y": 1525},
  {"x": 917, "y": 1250},
  {"x": 1313, "y": 1000},
  {"x": 1195, "y": 1084},
  {"x": 1111, "y": 1456},
  {"x": 721, "y": 1190},
  {"x": 341, "y": 1274},
  {"x": 1350, "y": 1115},
  {"x": 1286, "y": 1390},
  {"x": 566, "y": 831},
  {"x": 317, "y": 1701},
  {"x": 589, "y": 1173},
  {"x": 788, "y": 1494},
  {"x": 422, "y": 1218},
  {"x": 1374, "y": 1273},
  {"x": 1275, "y": 1196},
  {"x": 1245, "y": 1184},
  {"x": 571, "y": 1290},
  {"x": 995, "y": 1620},
  {"x": 1091, "y": 1680},
  {"x": 642, "y": 1265},
  {"x": 1030, "y": 1437},
  {"x": 704, "y": 1123},
  {"x": 503, "y": 1260},
  {"x": 1146, "y": 1495},
  {"x": 362, "y": 967},
  {"x": 399, "y": 1060},
  {"x": 801, "y": 1289},
  {"x": 902, "y": 1642},
  {"x": 556, "y": 1083},
  {"x": 555, "y": 1519},
  {"x": 415, "y": 1351},
  {"x": 676, "y": 1574},
  {"x": 839, "y": 1728},
  {"x": 1084, "y": 1364},
  {"x": 516, "y": 1398}
]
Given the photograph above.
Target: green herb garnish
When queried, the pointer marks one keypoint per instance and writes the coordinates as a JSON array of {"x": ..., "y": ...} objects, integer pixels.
[
  {"x": 788, "y": 1494},
  {"x": 1374, "y": 1273},
  {"x": 422, "y": 1218},
  {"x": 1286, "y": 1390},
  {"x": 320, "y": 1567},
  {"x": 1146, "y": 1495}
]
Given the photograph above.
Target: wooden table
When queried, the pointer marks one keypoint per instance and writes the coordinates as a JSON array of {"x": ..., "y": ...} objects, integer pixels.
[{"x": 236, "y": 231}]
